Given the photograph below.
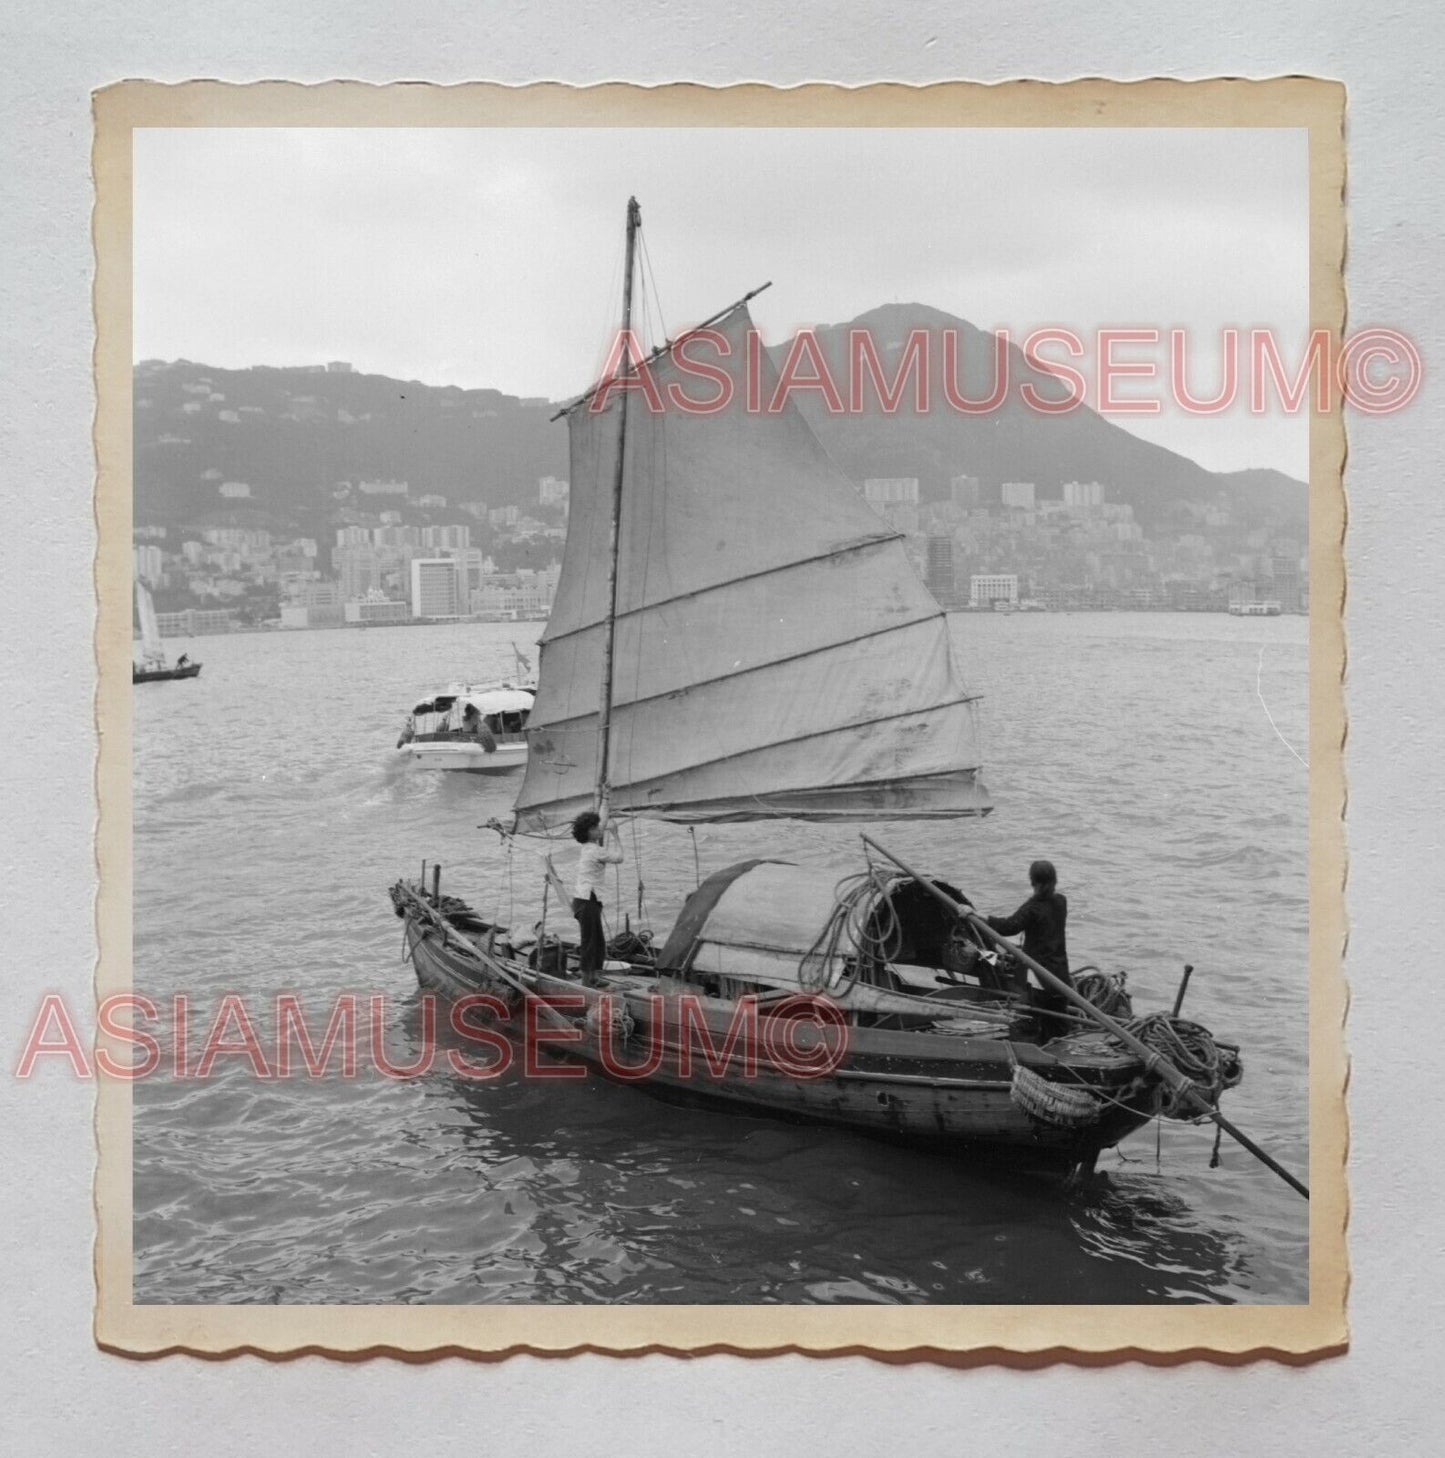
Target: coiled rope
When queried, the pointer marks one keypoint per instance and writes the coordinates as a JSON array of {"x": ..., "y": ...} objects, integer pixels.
[
  {"x": 1192, "y": 1050},
  {"x": 1106, "y": 990},
  {"x": 863, "y": 922}
]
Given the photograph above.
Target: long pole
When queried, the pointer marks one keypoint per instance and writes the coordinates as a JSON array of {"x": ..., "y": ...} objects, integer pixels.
[
  {"x": 609, "y": 636},
  {"x": 1154, "y": 1061},
  {"x": 494, "y": 966}
]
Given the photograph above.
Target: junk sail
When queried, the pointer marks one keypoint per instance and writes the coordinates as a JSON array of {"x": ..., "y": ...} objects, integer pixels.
[
  {"x": 775, "y": 653},
  {"x": 150, "y": 633}
]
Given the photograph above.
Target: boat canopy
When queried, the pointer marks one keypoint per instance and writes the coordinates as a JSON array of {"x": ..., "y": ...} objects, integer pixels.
[
  {"x": 775, "y": 654},
  {"x": 490, "y": 699},
  {"x": 763, "y": 921}
]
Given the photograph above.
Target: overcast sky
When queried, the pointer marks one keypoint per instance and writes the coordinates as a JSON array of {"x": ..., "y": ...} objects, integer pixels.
[{"x": 492, "y": 257}]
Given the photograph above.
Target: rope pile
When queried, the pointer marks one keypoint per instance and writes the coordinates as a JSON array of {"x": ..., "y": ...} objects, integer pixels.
[
  {"x": 1106, "y": 990},
  {"x": 1192, "y": 1050},
  {"x": 634, "y": 947}
]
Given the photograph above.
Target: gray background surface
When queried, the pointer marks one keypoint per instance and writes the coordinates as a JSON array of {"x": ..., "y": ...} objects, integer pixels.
[{"x": 61, "y": 1394}]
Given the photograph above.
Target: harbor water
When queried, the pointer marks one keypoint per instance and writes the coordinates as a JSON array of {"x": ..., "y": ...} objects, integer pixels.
[{"x": 1155, "y": 758}]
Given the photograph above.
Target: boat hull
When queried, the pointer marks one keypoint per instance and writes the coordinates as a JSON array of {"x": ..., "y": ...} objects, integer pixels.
[
  {"x": 161, "y": 675},
  {"x": 957, "y": 1096},
  {"x": 466, "y": 756}
]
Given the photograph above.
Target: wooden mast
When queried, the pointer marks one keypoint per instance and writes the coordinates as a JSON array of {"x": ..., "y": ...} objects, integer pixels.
[{"x": 604, "y": 705}]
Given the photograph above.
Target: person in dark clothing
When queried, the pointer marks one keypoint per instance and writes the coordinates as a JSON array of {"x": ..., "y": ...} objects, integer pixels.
[
  {"x": 474, "y": 725},
  {"x": 1041, "y": 920}
]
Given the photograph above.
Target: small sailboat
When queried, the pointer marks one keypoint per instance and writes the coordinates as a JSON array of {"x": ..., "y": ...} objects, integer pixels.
[
  {"x": 154, "y": 667},
  {"x": 737, "y": 636}
]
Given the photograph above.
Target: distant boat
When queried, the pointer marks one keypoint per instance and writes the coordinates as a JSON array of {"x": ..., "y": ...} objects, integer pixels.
[
  {"x": 154, "y": 667},
  {"x": 1269, "y": 608},
  {"x": 476, "y": 728}
]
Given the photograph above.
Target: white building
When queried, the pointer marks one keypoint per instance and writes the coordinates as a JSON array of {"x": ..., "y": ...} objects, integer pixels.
[
  {"x": 552, "y": 491},
  {"x": 1018, "y": 493},
  {"x": 382, "y": 488},
  {"x": 993, "y": 587},
  {"x": 1083, "y": 493},
  {"x": 377, "y": 609},
  {"x": 437, "y": 588},
  {"x": 470, "y": 563},
  {"x": 436, "y": 538},
  {"x": 891, "y": 490},
  {"x": 148, "y": 563},
  {"x": 235, "y": 488}
]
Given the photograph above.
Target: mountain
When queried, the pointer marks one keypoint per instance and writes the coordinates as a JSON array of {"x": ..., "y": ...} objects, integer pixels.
[
  {"x": 1014, "y": 442},
  {"x": 292, "y": 435}
]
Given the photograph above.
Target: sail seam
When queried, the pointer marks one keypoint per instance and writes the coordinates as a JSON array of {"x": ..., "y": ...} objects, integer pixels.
[
  {"x": 797, "y": 739},
  {"x": 744, "y": 672},
  {"x": 859, "y": 546}
]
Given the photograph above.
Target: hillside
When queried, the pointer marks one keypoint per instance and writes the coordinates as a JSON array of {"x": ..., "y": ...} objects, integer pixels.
[{"x": 292, "y": 435}]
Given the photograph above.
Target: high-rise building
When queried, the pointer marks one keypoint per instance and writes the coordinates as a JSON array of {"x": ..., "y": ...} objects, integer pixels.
[
  {"x": 470, "y": 563},
  {"x": 1083, "y": 493},
  {"x": 437, "y": 538},
  {"x": 891, "y": 490},
  {"x": 436, "y": 588},
  {"x": 938, "y": 573}
]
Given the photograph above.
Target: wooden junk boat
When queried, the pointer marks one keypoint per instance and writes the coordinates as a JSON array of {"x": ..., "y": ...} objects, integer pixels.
[{"x": 757, "y": 647}]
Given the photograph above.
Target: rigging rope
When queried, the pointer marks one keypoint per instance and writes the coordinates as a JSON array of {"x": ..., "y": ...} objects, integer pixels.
[
  {"x": 859, "y": 901},
  {"x": 1259, "y": 694}
]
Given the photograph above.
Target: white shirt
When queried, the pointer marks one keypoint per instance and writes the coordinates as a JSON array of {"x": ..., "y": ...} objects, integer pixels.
[{"x": 591, "y": 869}]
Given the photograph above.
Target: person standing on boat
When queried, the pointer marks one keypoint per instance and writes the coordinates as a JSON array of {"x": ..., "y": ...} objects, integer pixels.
[
  {"x": 1041, "y": 919},
  {"x": 596, "y": 856},
  {"x": 474, "y": 725}
]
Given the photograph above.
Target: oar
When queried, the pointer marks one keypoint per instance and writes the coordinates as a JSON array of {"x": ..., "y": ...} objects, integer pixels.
[
  {"x": 1154, "y": 1061},
  {"x": 494, "y": 966}
]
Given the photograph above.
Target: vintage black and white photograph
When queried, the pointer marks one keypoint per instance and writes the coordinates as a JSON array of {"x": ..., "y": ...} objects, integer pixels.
[{"x": 725, "y": 715}]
